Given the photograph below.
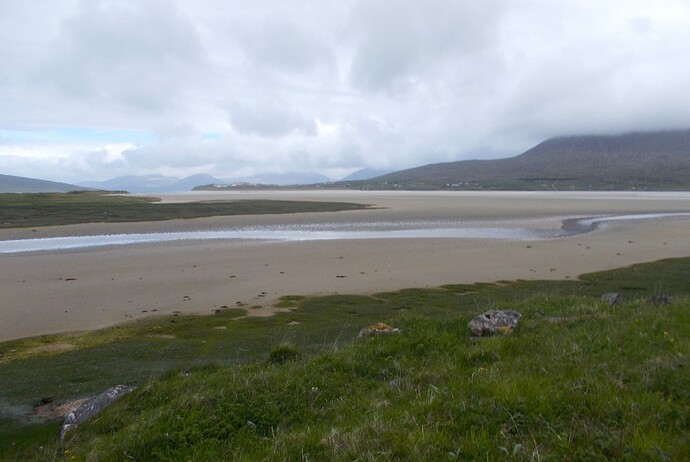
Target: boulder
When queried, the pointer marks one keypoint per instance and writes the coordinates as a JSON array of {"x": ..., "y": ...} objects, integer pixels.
[
  {"x": 379, "y": 328},
  {"x": 613, "y": 298},
  {"x": 494, "y": 322},
  {"x": 91, "y": 407},
  {"x": 660, "y": 299}
]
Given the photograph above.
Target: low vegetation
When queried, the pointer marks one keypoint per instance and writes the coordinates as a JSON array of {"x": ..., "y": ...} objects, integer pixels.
[
  {"x": 578, "y": 379},
  {"x": 50, "y": 209}
]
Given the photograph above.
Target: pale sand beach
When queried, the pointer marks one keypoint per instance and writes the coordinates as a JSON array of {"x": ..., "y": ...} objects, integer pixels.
[{"x": 89, "y": 288}]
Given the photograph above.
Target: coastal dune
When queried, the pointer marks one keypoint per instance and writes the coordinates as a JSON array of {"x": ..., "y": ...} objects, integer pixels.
[{"x": 89, "y": 288}]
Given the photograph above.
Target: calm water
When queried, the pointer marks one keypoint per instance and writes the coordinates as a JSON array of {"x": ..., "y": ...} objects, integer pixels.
[{"x": 378, "y": 230}]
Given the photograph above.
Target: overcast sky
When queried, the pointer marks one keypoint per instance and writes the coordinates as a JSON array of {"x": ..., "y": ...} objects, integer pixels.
[{"x": 95, "y": 89}]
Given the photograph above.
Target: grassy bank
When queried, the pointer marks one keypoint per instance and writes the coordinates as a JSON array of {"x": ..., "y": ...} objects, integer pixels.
[
  {"x": 577, "y": 380},
  {"x": 48, "y": 209}
]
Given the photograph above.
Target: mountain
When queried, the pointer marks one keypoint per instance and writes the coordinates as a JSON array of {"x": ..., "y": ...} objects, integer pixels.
[
  {"x": 283, "y": 179},
  {"x": 161, "y": 183},
  {"x": 134, "y": 183},
  {"x": 188, "y": 183},
  {"x": 152, "y": 183},
  {"x": 365, "y": 174},
  {"x": 19, "y": 184},
  {"x": 645, "y": 160}
]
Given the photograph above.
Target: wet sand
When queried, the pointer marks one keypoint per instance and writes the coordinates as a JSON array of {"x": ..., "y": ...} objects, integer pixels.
[{"x": 50, "y": 292}]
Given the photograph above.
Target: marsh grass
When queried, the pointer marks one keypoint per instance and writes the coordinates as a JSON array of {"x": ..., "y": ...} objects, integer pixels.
[
  {"x": 51, "y": 209},
  {"x": 577, "y": 380}
]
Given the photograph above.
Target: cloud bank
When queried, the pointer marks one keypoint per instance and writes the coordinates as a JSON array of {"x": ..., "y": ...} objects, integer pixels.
[{"x": 92, "y": 89}]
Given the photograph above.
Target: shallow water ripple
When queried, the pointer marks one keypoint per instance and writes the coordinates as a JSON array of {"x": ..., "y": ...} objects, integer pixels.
[{"x": 330, "y": 231}]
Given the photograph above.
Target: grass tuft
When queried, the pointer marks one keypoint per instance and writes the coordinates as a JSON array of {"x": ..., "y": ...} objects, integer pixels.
[{"x": 284, "y": 354}]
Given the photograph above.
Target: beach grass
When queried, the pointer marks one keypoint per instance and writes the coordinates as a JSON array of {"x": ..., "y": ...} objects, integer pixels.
[
  {"x": 578, "y": 379},
  {"x": 52, "y": 209}
]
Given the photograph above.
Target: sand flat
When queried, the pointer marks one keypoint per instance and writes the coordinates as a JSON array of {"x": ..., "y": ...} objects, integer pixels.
[{"x": 50, "y": 292}]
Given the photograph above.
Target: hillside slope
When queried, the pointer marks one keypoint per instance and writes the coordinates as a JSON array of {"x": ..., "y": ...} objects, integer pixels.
[
  {"x": 576, "y": 379},
  {"x": 650, "y": 160},
  {"x": 20, "y": 184}
]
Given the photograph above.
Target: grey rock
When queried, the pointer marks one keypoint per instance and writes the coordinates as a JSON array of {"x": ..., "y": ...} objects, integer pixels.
[
  {"x": 91, "y": 407},
  {"x": 494, "y": 321},
  {"x": 613, "y": 298},
  {"x": 379, "y": 328},
  {"x": 660, "y": 299},
  {"x": 395, "y": 383}
]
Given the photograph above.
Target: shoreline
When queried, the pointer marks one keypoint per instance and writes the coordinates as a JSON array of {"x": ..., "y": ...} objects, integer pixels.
[{"x": 76, "y": 290}]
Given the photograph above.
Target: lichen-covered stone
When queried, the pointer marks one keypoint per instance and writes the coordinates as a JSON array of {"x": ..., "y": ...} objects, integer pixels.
[
  {"x": 613, "y": 298},
  {"x": 91, "y": 407},
  {"x": 494, "y": 322},
  {"x": 379, "y": 328}
]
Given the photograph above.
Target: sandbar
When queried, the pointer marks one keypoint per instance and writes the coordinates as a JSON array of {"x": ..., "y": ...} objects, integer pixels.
[{"x": 83, "y": 289}]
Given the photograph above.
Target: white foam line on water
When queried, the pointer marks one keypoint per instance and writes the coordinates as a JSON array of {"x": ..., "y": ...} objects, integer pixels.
[{"x": 315, "y": 232}]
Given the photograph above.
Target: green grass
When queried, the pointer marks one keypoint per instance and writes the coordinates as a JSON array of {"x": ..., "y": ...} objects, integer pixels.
[
  {"x": 577, "y": 380},
  {"x": 50, "y": 209}
]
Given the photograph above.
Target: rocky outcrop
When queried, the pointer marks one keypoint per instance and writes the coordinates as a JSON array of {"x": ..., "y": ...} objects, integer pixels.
[
  {"x": 379, "y": 328},
  {"x": 494, "y": 322},
  {"x": 91, "y": 407}
]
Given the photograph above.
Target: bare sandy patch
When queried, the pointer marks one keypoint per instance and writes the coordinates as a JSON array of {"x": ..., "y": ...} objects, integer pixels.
[{"x": 114, "y": 285}]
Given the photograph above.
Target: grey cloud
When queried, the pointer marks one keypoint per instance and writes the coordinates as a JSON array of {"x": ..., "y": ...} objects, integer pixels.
[
  {"x": 616, "y": 74},
  {"x": 276, "y": 41},
  {"x": 175, "y": 131},
  {"x": 98, "y": 161},
  {"x": 268, "y": 119},
  {"x": 79, "y": 166},
  {"x": 131, "y": 53},
  {"x": 307, "y": 85},
  {"x": 179, "y": 155},
  {"x": 406, "y": 39}
]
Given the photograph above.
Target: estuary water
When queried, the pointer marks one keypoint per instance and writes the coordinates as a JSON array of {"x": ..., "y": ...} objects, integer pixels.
[{"x": 332, "y": 231}]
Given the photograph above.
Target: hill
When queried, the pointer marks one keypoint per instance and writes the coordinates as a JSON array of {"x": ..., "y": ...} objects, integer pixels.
[
  {"x": 160, "y": 183},
  {"x": 647, "y": 160},
  {"x": 20, "y": 184},
  {"x": 365, "y": 174},
  {"x": 135, "y": 183},
  {"x": 285, "y": 179}
]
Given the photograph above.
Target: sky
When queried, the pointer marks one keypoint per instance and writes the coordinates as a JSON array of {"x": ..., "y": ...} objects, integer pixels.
[{"x": 94, "y": 89}]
